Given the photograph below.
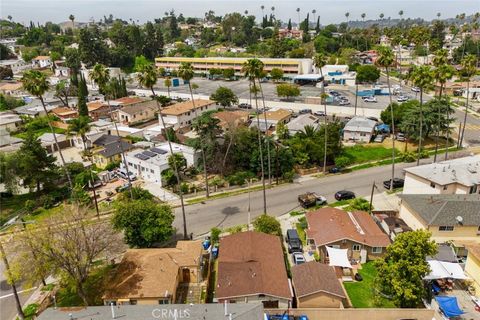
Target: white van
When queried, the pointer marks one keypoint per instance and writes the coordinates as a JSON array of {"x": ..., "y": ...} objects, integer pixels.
[{"x": 122, "y": 173}]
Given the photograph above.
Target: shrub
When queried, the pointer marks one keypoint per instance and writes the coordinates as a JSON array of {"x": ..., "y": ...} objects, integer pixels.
[
  {"x": 289, "y": 175},
  {"x": 342, "y": 161},
  {"x": 316, "y": 256},
  {"x": 112, "y": 165},
  {"x": 358, "y": 204},
  {"x": 302, "y": 222},
  {"x": 46, "y": 201},
  {"x": 29, "y": 205},
  {"x": 215, "y": 234},
  {"x": 239, "y": 178},
  {"x": 30, "y": 311},
  {"x": 235, "y": 229},
  {"x": 408, "y": 156},
  {"x": 267, "y": 224},
  {"x": 184, "y": 187}
]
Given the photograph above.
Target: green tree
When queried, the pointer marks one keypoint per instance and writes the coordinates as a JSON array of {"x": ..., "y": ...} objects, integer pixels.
[
  {"x": 167, "y": 83},
  {"x": 8, "y": 102},
  {"x": 401, "y": 271},
  {"x": 287, "y": 90},
  {"x": 276, "y": 74},
  {"x": 180, "y": 162},
  {"x": 91, "y": 46},
  {"x": 267, "y": 224},
  {"x": 143, "y": 222},
  {"x": 399, "y": 110},
  {"x": 62, "y": 91},
  {"x": 467, "y": 72},
  {"x": 224, "y": 96},
  {"x": 228, "y": 73},
  {"x": 36, "y": 83},
  {"x": 82, "y": 97},
  {"x": 140, "y": 63},
  {"x": 367, "y": 73}
]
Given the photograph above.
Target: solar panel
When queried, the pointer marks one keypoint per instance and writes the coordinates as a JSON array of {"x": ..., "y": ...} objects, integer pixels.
[
  {"x": 149, "y": 153},
  {"x": 142, "y": 156},
  {"x": 159, "y": 151}
]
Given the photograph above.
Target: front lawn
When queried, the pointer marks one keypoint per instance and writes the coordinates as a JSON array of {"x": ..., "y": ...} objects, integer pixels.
[
  {"x": 361, "y": 154},
  {"x": 362, "y": 293}
]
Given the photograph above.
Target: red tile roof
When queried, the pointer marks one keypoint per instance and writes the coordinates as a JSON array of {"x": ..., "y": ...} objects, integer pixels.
[
  {"x": 251, "y": 263},
  {"x": 328, "y": 225}
]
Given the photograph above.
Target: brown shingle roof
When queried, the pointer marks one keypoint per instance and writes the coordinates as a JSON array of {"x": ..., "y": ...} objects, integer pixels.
[
  {"x": 128, "y": 100},
  {"x": 277, "y": 115},
  {"x": 251, "y": 263},
  {"x": 328, "y": 225},
  {"x": 92, "y": 106},
  {"x": 183, "y": 107},
  {"x": 312, "y": 277},
  {"x": 231, "y": 118},
  {"x": 139, "y": 107},
  {"x": 63, "y": 111},
  {"x": 152, "y": 273}
]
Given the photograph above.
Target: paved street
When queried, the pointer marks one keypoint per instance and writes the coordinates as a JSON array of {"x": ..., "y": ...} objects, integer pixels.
[{"x": 233, "y": 211}]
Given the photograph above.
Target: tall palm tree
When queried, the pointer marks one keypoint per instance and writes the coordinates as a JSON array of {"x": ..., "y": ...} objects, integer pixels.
[
  {"x": 101, "y": 76},
  {"x": 80, "y": 126},
  {"x": 442, "y": 72},
  {"x": 246, "y": 12},
  {"x": 468, "y": 71},
  {"x": 269, "y": 165},
  {"x": 320, "y": 60},
  {"x": 422, "y": 77},
  {"x": 72, "y": 18},
  {"x": 147, "y": 77},
  {"x": 263, "y": 8},
  {"x": 438, "y": 15},
  {"x": 314, "y": 12},
  {"x": 185, "y": 71},
  {"x": 347, "y": 15},
  {"x": 386, "y": 60},
  {"x": 363, "y": 15},
  {"x": 36, "y": 83},
  {"x": 298, "y": 12},
  {"x": 253, "y": 69}
]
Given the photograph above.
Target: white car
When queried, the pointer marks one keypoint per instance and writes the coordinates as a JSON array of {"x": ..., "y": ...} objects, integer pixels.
[
  {"x": 402, "y": 98},
  {"x": 298, "y": 258},
  {"x": 122, "y": 173},
  {"x": 344, "y": 103},
  {"x": 415, "y": 89},
  {"x": 319, "y": 113},
  {"x": 370, "y": 99}
]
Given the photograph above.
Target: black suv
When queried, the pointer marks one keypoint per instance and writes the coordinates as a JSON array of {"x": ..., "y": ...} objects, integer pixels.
[
  {"x": 293, "y": 241},
  {"x": 397, "y": 183},
  {"x": 344, "y": 195}
]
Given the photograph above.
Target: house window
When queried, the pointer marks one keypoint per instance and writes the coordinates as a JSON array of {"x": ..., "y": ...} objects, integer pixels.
[
  {"x": 151, "y": 170},
  {"x": 163, "y": 301},
  {"x": 473, "y": 189},
  {"x": 377, "y": 250},
  {"x": 445, "y": 228},
  {"x": 432, "y": 185},
  {"x": 133, "y": 302},
  {"x": 363, "y": 134},
  {"x": 356, "y": 247},
  {"x": 445, "y": 187},
  {"x": 478, "y": 231}
]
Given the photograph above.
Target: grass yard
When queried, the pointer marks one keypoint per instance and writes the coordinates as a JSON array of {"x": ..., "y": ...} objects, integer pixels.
[
  {"x": 361, "y": 293},
  {"x": 361, "y": 154},
  {"x": 39, "y": 132}
]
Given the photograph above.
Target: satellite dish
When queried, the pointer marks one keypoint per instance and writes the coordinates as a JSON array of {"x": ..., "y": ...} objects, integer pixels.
[{"x": 459, "y": 219}]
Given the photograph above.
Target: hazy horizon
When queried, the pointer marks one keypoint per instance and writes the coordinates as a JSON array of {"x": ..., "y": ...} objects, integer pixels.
[{"x": 144, "y": 10}]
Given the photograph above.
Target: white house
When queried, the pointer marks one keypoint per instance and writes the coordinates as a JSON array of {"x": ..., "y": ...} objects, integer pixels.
[
  {"x": 458, "y": 176},
  {"x": 181, "y": 114},
  {"x": 41, "y": 62},
  {"x": 9, "y": 121},
  {"x": 62, "y": 72},
  {"x": 15, "y": 65},
  {"x": 339, "y": 74},
  {"x": 359, "y": 129},
  {"x": 149, "y": 164}
]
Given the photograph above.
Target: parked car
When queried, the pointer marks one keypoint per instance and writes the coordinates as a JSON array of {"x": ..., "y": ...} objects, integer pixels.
[
  {"x": 298, "y": 258},
  {"x": 397, "y": 183},
  {"x": 367, "y": 97},
  {"x": 334, "y": 170},
  {"x": 402, "y": 98},
  {"x": 344, "y": 195},
  {"x": 293, "y": 241},
  {"x": 379, "y": 138},
  {"x": 334, "y": 93},
  {"x": 415, "y": 89},
  {"x": 319, "y": 113},
  {"x": 310, "y": 199},
  {"x": 123, "y": 187},
  {"x": 370, "y": 99},
  {"x": 344, "y": 102},
  {"x": 244, "y": 106},
  {"x": 400, "y": 137},
  {"x": 305, "y": 111},
  {"x": 122, "y": 173}
]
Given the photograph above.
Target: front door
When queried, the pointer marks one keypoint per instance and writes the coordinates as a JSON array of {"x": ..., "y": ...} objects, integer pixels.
[{"x": 186, "y": 275}]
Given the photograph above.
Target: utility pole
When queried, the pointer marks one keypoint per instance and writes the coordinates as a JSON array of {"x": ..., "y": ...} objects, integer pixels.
[
  {"x": 371, "y": 196},
  {"x": 248, "y": 209},
  {"x": 21, "y": 315}
]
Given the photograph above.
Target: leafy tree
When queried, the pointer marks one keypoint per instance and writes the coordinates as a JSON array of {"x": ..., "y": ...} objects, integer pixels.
[
  {"x": 169, "y": 178},
  {"x": 79, "y": 195},
  {"x": 82, "y": 97},
  {"x": 143, "y": 222},
  {"x": 367, "y": 73},
  {"x": 228, "y": 73},
  {"x": 92, "y": 49},
  {"x": 153, "y": 42},
  {"x": 276, "y": 74},
  {"x": 215, "y": 234},
  {"x": 287, "y": 90},
  {"x": 399, "y": 110},
  {"x": 8, "y": 102},
  {"x": 5, "y": 53},
  {"x": 140, "y": 63},
  {"x": 138, "y": 194},
  {"x": 401, "y": 271},
  {"x": 180, "y": 162},
  {"x": 8, "y": 171},
  {"x": 267, "y": 224},
  {"x": 282, "y": 131},
  {"x": 224, "y": 96},
  {"x": 62, "y": 91}
]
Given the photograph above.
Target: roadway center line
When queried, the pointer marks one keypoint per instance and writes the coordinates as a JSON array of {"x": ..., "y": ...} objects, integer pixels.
[{"x": 11, "y": 294}]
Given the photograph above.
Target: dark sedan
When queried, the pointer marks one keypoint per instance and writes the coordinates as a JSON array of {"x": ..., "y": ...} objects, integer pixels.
[
  {"x": 397, "y": 183},
  {"x": 344, "y": 195}
]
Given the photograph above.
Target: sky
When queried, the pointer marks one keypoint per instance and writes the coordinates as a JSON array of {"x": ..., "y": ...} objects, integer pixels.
[{"x": 332, "y": 11}]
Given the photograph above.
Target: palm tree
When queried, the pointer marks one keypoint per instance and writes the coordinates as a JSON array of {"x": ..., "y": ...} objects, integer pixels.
[
  {"x": 468, "y": 71},
  {"x": 385, "y": 60},
  {"x": 422, "y": 77},
  {"x": 185, "y": 71},
  {"x": 246, "y": 12},
  {"x": 320, "y": 60},
  {"x": 363, "y": 15},
  {"x": 81, "y": 126},
  {"x": 269, "y": 166},
  {"x": 253, "y": 69},
  {"x": 36, "y": 83},
  {"x": 438, "y": 15},
  {"x": 72, "y": 18},
  {"x": 101, "y": 76},
  {"x": 298, "y": 12},
  {"x": 263, "y": 8},
  {"x": 167, "y": 83},
  {"x": 147, "y": 77},
  {"x": 442, "y": 72},
  {"x": 314, "y": 12}
]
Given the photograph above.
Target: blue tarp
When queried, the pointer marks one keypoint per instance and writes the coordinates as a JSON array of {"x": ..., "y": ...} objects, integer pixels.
[
  {"x": 383, "y": 128},
  {"x": 449, "y": 306}
]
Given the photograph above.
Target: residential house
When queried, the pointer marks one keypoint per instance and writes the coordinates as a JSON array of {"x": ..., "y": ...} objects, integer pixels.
[
  {"x": 316, "y": 286},
  {"x": 273, "y": 119},
  {"x": 15, "y": 65},
  {"x": 232, "y": 119},
  {"x": 251, "y": 268},
  {"x": 472, "y": 265},
  {"x": 290, "y": 34},
  {"x": 7, "y": 142},
  {"x": 98, "y": 110},
  {"x": 62, "y": 72},
  {"x": 65, "y": 113},
  {"x": 48, "y": 142},
  {"x": 41, "y": 62},
  {"x": 359, "y": 129},
  {"x": 449, "y": 217},
  {"x": 299, "y": 123},
  {"x": 136, "y": 113},
  {"x": 355, "y": 231},
  {"x": 391, "y": 225},
  {"x": 458, "y": 176},
  {"x": 109, "y": 149},
  {"x": 9, "y": 121},
  {"x": 126, "y": 101},
  {"x": 181, "y": 115},
  {"x": 210, "y": 311},
  {"x": 11, "y": 88},
  {"x": 459, "y": 88},
  {"x": 153, "y": 276},
  {"x": 34, "y": 110},
  {"x": 149, "y": 164}
]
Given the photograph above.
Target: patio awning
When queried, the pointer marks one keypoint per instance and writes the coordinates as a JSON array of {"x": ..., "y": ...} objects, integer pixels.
[
  {"x": 441, "y": 270},
  {"x": 338, "y": 257}
]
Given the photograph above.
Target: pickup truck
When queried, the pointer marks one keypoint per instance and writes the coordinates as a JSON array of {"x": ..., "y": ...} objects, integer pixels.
[{"x": 311, "y": 199}]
